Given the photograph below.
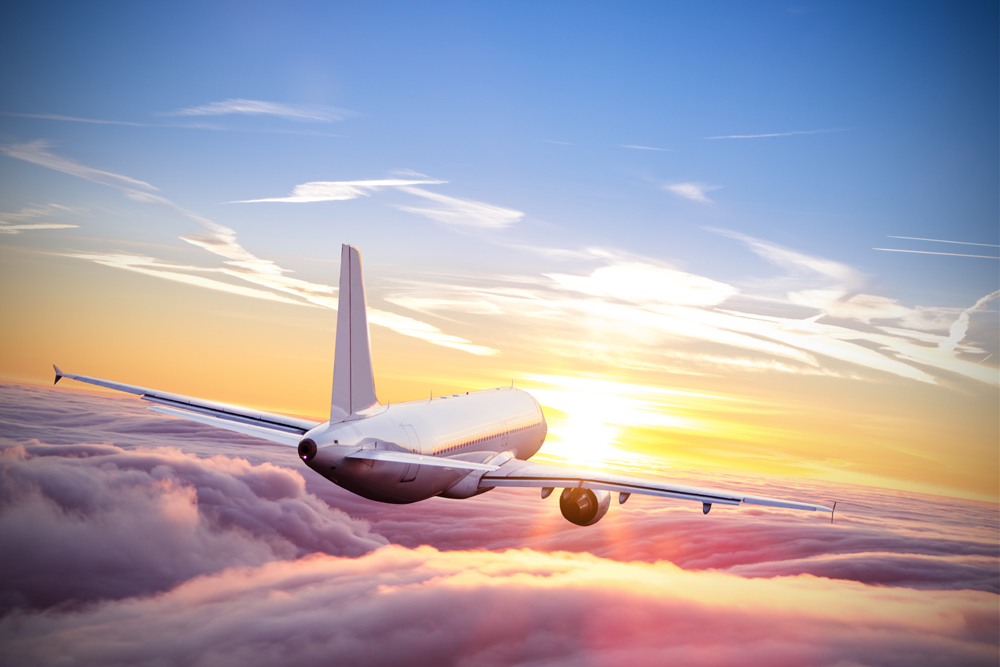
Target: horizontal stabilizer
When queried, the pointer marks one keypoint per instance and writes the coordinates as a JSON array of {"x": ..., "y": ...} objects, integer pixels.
[{"x": 418, "y": 459}]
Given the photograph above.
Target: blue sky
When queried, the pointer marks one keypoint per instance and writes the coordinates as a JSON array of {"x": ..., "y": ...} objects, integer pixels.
[{"x": 903, "y": 98}]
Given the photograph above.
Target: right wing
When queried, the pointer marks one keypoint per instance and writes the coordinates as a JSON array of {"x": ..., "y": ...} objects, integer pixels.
[
  {"x": 525, "y": 473},
  {"x": 267, "y": 425}
]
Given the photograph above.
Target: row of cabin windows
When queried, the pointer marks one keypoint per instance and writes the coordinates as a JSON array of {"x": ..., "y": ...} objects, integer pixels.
[{"x": 488, "y": 436}]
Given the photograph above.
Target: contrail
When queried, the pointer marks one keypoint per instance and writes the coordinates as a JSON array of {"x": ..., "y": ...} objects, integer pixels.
[
  {"x": 915, "y": 238},
  {"x": 928, "y": 252}
]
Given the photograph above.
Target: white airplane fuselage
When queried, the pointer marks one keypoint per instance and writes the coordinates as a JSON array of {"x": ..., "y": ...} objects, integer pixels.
[{"x": 480, "y": 427}]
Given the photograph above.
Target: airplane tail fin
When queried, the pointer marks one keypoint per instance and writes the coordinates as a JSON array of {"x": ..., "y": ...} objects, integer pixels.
[{"x": 353, "y": 380}]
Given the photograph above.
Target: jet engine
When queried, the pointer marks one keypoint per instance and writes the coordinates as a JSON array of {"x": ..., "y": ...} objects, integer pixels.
[
  {"x": 584, "y": 507},
  {"x": 307, "y": 449}
]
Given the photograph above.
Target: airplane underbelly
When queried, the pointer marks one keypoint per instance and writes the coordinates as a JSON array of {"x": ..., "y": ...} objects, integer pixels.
[{"x": 383, "y": 481}]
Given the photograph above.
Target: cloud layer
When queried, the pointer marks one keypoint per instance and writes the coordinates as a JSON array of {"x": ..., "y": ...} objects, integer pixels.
[{"x": 157, "y": 550}]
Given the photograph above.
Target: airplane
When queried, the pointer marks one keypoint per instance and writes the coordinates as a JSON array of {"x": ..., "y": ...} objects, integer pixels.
[{"x": 455, "y": 446}]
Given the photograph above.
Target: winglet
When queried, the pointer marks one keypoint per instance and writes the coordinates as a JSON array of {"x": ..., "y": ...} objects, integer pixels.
[
  {"x": 833, "y": 511},
  {"x": 59, "y": 374},
  {"x": 353, "y": 381}
]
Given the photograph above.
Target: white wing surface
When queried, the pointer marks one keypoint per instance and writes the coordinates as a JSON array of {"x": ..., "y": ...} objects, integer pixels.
[
  {"x": 277, "y": 428},
  {"x": 526, "y": 473}
]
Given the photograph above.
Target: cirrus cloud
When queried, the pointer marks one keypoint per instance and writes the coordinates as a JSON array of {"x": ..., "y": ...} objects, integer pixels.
[
  {"x": 692, "y": 190},
  {"x": 299, "y": 112}
]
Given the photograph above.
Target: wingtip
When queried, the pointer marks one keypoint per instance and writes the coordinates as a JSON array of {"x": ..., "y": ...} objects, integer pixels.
[{"x": 59, "y": 374}]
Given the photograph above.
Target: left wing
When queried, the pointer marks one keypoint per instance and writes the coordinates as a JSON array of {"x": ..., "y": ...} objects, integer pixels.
[
  {"x": 277, "y": 428},
  {"x": 526, "y": 473}
]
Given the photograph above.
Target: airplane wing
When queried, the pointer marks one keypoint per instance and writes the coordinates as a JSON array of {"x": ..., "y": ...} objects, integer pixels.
[
  {"x": 277, "y": 428},
  {"x": 526, "y": 473}
]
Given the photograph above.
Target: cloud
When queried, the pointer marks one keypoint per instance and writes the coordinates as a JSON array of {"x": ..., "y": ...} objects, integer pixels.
[
  {"x": 239, "y": 262},
  {"x": 36, "y": 152},
  {"x": 693, "y": 191},
  {"x": 643, "y": 283},
  {"x": 794, "y": 260},
  {"x": 961, "y": 326},
  {"x": 178, "y": 273},
  {"x": 462, "y": 212},
  {"x": 860, "y": 307},
  {"x": 776, "y": 134},
  {"x": 121, "y": 554},
  {"x": 89, "y": 522},
  {"x": 644, "y": 148},
  {"x": 17, "y": 229},
  {"x": 512, "y": 607},
  {"x": 452, "y": 211},
  {"x": 186, "y": 126},
  {"x": 337, "y": 190},
  {"x": 52, "y": 116},
  {"x": 298, "y": 112},
  {"x": 637, "y": 313},
  {"x": 15, "y": 223}
]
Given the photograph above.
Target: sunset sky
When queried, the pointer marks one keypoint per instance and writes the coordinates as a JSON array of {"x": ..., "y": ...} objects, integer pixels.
[{"x": 735, "y": 243}]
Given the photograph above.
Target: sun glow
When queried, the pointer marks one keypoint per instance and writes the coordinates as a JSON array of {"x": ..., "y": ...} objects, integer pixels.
[{"x": 587, "y": 416}]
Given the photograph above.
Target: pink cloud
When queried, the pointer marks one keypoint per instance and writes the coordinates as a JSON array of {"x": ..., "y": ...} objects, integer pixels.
[
  {"x": 398, "y": 605},
  {"x": 185, "y": 556}
]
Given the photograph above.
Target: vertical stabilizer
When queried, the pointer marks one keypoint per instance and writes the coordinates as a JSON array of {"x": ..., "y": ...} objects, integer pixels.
[{"x": 353, "y": 381}]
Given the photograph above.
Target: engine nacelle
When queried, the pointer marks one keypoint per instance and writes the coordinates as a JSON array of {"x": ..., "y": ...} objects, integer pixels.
[{"x": 584, "y": 507}]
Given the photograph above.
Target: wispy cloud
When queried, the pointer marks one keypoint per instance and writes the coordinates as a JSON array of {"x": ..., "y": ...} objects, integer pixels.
[
  {"x": 462, "y": 212},
  {"x": 691, "y": 190},
  {"x": 239, "y": 263},
  {"x": 914, "y": 238},
  {"x": 645, "y": 148},
  {"x": 17, "y": 229},
  {"x": 961, "y": 326},
  {"x": 37, "y": 152},
  {"x": 318, "y": 191},
  {"x": 776, "y": 134},
  {"x": 930, "y": 252},
  {"x": 450, "y": 211},
  {"x": 73, "y": 119},
  {"x": 15, "y": 223},
  {"x": 298, "y": 112},
  {"x": 635, "y": 312},
  {"x": 215, "y": 127},
  {"x": 795, "y": 260}
]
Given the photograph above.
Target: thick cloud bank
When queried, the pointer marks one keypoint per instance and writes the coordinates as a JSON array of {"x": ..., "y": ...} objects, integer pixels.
[
  {"x": 129, "y": 539},
  {"x": 403, "y": 606},
  {"x": 84, "y": 522}
]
